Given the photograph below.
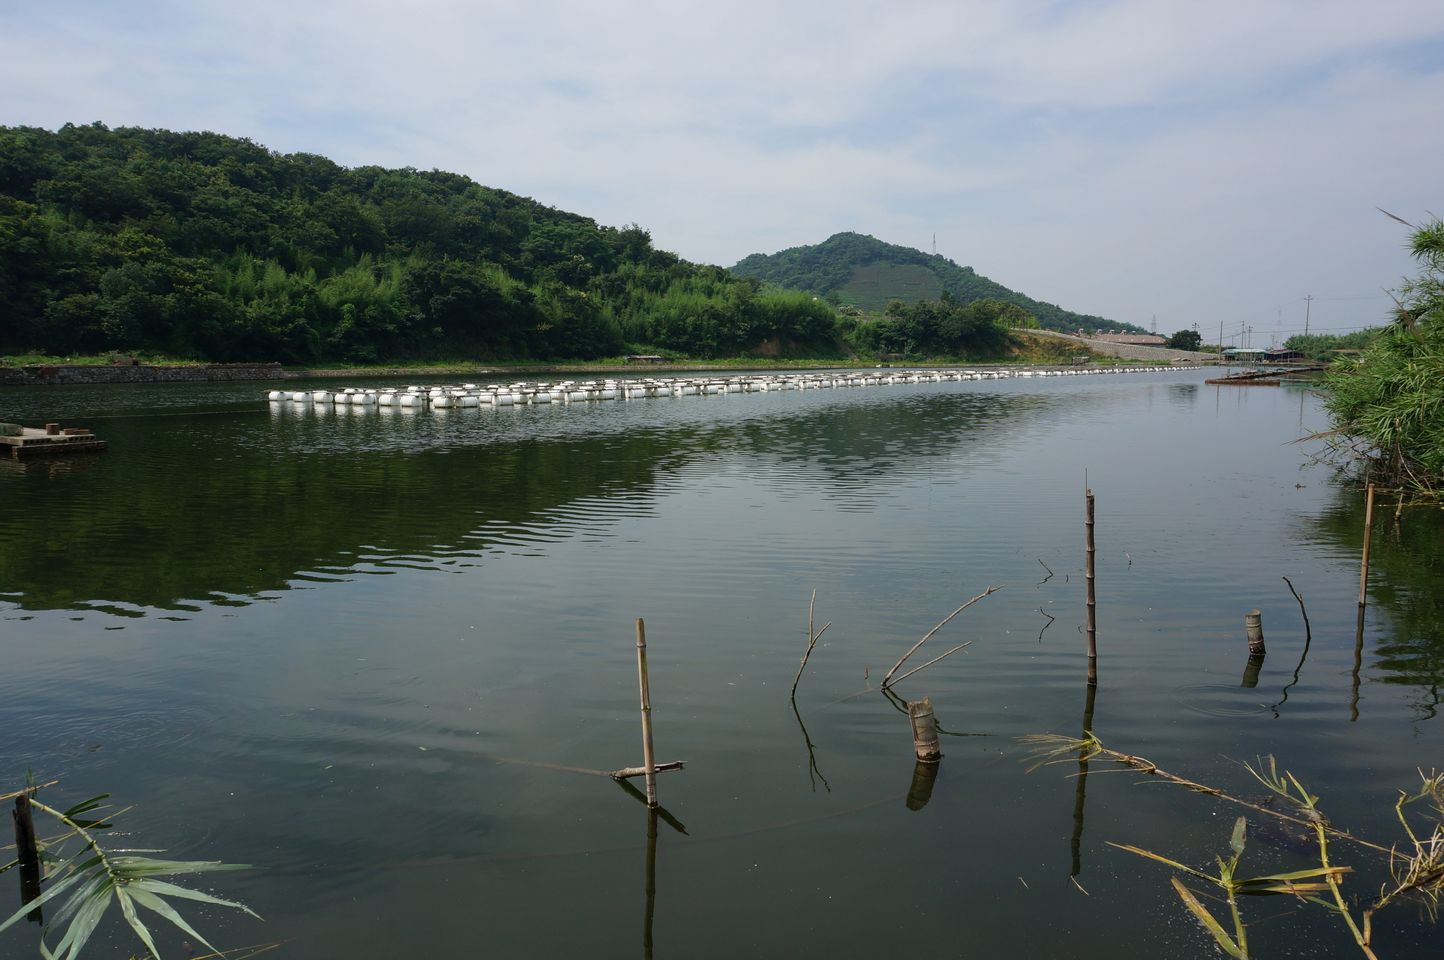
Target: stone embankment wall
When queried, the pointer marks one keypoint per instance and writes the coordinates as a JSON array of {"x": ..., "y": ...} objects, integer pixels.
[
  {"x": 39, "y": 375},
  {"x": 1126, "y": 351}
]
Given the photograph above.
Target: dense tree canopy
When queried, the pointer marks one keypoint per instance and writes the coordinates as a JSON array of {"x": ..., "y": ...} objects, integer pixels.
[
  {"x": 942, "y": 328},
  {"x": 207, "y": 246},
  {"x": 1324, "y": 346},
  {"x": 1186, "y": 340}
]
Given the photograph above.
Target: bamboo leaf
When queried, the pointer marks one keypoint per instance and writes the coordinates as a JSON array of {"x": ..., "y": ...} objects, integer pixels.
[
  {"x": 127, "y": 907},
  {"x": 1209, "y": 923},
  {"x": 96, "y": 884},
  {"x": 161, "y": 888},
  {"x": 85, "y": 806},
  {"x": 155, "y": 904},
  {"x": 82, "y": 927},
  {"x": 146, "y": 867}
]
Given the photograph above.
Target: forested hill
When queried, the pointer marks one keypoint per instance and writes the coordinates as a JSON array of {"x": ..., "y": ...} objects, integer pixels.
[
  {"x": 852, "y": 268},
  {"x": 207, "y": 246}
]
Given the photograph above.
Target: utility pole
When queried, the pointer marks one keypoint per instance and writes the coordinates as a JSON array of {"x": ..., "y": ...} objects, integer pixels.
[{"x": 1308, "y": 302}]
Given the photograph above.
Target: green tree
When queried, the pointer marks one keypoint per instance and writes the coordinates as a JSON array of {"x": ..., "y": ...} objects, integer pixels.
[
  {"x": 1389, "y": 401},
  {"x": 1186, "y": 340}
]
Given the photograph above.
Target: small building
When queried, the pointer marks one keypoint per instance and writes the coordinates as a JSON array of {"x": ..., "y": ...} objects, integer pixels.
[
  {"x": 1283, "y": 355},
  {"x": 1244, "y": 355},
  {"x": 645, "y": 358}
]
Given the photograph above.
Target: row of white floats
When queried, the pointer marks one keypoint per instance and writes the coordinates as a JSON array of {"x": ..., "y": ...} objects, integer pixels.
[{"x": 581, "y": 391}]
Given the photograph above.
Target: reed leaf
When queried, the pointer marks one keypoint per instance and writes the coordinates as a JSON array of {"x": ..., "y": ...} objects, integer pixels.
[{"x": 1209, "y": 923}]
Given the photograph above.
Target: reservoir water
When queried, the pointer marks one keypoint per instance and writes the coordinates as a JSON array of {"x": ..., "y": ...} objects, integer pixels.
[{"x": 359, "y": 649}]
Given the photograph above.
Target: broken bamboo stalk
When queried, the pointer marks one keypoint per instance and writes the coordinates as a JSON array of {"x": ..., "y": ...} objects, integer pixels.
[
  {"x": 887, "y": 678},
  {"x": 1253, "y": 631},
  {"x": 627, "y": 772},
  {"x": 925, "y": 730},
  {"x": 649, "y": 765},
  {"x": 812, "y": 639},
  {"x": 965, "y": 643}
]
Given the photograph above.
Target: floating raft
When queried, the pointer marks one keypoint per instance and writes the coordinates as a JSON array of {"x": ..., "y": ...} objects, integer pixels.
[
  {"x": 24, "y": 442},
  {"x": 584, "y": 391}
]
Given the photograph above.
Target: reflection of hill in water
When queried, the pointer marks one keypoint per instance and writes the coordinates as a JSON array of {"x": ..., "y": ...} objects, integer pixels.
[
  {"x": 1406, "y": 569},
  {"x": 223, "y": 508}
]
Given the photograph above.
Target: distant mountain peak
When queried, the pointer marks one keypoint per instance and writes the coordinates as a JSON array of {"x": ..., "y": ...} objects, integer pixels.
[{"x": 865, "y": 272}]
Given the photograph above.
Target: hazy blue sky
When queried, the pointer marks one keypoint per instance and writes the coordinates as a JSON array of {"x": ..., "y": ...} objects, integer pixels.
[{"x": 1203, "y": 162}]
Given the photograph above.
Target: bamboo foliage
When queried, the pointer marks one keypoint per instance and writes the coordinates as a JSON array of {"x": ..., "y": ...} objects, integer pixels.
[{"x": 83, "y": 879}]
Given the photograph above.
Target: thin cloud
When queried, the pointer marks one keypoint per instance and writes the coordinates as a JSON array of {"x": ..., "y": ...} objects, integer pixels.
[{"x": 1109, "y": 156}]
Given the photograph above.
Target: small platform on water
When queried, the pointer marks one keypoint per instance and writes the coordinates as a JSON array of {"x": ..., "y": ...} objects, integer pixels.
[
  {"x": 41, "y": 442},
  {"x": 1265, "y": 378}
]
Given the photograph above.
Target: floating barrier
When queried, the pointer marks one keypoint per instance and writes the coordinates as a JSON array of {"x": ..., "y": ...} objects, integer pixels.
[{"x": 471, "y": 395}]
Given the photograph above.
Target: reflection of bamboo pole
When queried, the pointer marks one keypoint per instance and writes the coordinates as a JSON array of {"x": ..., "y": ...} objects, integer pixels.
[
  {"x": 1080, "y": 791},
  {"x": 649, "y": 765},
  {"x": 1368, "y": 536},
  {"x": 1358, "y": 663},
  {"x": 920, "y": 791},
  {"x": 28, "y": 855},
  {"x": 1092, "y": 599},
  {"x": 651, "y": 883}
]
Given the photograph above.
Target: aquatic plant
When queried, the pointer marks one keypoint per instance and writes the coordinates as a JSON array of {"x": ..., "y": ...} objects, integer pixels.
[
  {"x": 1415, "y": 864},
  {"x": 83, "y": 879}
]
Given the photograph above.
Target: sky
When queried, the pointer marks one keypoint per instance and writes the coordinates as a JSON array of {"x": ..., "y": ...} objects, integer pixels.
[{"x": 1160, "y": 163}]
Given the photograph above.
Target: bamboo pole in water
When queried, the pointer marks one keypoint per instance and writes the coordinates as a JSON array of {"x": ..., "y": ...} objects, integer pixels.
[
  {"x": 925, "y": 730},
  {"x": 1368, "y": 536},
  {"x": 1092, "y": 599},
  {"x": 1253, "y": 630},
  {"x": 649, "y": 765}
]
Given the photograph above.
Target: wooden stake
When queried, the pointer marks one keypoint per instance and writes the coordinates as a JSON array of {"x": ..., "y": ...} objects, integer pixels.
[
  {"x": 28, "y": 855},
  {"x": 649, "y": 765},
  {"x": 1368, "y": 535},
  {"x": 1092, "y": 599},
  {"x": 925, "y": 730},
  {"x": 1253, "y": 630}
]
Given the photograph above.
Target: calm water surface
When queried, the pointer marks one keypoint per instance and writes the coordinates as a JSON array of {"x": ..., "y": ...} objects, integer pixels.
[{"x": 356, "y": 649}]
